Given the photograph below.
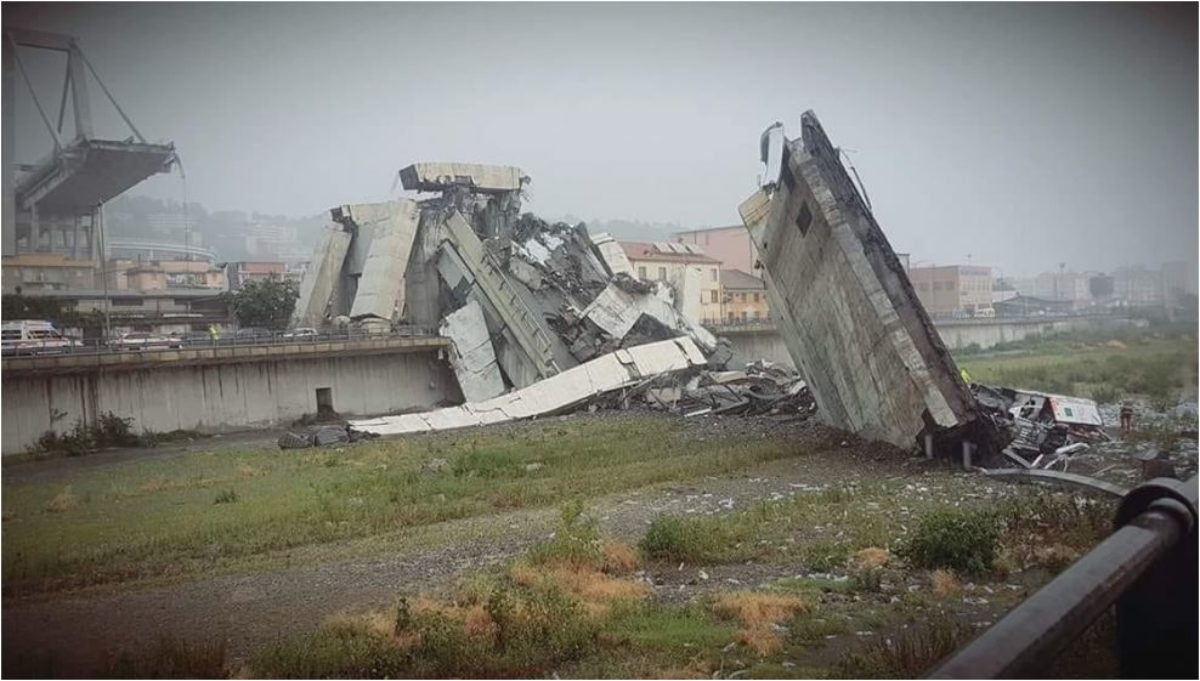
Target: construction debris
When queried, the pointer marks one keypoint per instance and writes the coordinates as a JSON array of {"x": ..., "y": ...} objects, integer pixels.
[
  {"x": 1043, "y": 430},
  {"x": 566, "y": 390},
  {"x": 762, "y": 388},
  {"x": 322, "y": 436},
  {"x": 848, "y": 315},
  {"x": 523, "y": 300}
]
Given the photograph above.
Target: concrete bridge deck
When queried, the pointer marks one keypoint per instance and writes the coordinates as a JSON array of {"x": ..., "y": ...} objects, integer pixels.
[{"x": 202, "y": 355}]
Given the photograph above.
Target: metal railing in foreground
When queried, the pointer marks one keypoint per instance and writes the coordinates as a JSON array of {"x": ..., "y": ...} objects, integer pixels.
[{"x": 1147, "y": 567}]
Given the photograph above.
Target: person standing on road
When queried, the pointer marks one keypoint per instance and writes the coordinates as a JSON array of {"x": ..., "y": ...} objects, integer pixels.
[{"x": 1127, "y": 417}]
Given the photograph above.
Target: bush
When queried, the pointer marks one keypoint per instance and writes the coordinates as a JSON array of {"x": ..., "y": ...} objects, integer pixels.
[
  {"x": 513, "y": 634},
  {"x": 906, "y": 655},
  {"x": 1105, "y": 394},
  {"x": 964, "y": 541},
  {"x": 679, "y": 539},
  {"x": 226, "y": 497},
  {"x": 109, "y": 430},
  {"x": 577, "y": 540}
]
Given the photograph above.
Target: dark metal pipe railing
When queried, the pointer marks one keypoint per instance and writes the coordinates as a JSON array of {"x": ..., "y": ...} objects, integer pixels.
[{"x": 1147, "y": 567}]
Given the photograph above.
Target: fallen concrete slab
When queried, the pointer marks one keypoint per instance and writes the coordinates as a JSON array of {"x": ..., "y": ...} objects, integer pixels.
[
  {"x": 319, "y": 283},
  {"x": 386, "y": 231},
  {"x": 850, "y": 318},
  {"x": 616, "y": 370},
  {"x": 472, "y": 358}
]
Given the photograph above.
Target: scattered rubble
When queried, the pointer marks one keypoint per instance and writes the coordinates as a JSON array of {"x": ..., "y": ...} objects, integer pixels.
[
  {"x": 763, "y": 388},
  {"x": 321, "y": 437}
]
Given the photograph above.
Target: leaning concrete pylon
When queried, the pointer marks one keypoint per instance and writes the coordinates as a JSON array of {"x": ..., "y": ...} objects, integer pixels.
[{"x": 845, "y": 308}]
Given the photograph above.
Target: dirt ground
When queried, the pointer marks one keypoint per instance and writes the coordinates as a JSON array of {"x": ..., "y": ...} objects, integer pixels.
[
  {"x": 250, "y": 610},
  {"x": 247, "y": 611}
]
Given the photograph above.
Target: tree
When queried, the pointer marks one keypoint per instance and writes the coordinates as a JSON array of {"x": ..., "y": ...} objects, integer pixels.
[{"x": 264, "y": 302}]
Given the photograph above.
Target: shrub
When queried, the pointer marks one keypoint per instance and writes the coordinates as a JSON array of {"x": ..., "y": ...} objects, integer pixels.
[
  {"x": 576, "y": 541},
  {"x": 906, "y": 655},
  {"x": 1105, "y": 394},
  {"x": 109, "y": 430},
  {"x": 964, "y": 541},
  {"x": 63, "y": 502},
  {"x": 515, "y": 633},
  {"x": 226, "y": 497},
  {"x": 679, "y": 539},
  {"x": 825, "y": 556}
]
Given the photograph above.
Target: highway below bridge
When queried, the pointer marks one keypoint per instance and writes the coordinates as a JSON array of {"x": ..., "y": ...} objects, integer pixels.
[{"x": 225, "y": 388}]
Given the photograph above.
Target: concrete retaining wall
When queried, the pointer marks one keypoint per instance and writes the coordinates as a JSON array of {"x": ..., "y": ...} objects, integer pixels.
[{"x": 221, "y": 397}]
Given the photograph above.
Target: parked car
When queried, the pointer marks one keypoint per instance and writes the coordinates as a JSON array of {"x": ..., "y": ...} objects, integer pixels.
[
  {"x": 254, "y": 334},
  {"x": 303, "y": 333},
  {"x": 142, "y": 340},
  {"x": 32, "y": 337}
]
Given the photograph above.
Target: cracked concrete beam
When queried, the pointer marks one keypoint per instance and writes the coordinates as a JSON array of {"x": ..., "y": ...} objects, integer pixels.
[{"x": 485, "y": 179}]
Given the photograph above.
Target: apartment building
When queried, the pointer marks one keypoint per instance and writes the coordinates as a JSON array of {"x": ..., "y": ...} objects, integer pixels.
[
  {"x": 953, "y": 290},
  {"x": 693, "y": 274}
]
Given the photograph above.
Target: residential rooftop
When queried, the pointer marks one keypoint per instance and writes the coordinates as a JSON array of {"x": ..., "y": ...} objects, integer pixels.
[{"x": 664, "y": 250}]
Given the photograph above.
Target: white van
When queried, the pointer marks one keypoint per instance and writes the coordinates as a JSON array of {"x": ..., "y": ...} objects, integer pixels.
[{"x": 33, "y": 336}]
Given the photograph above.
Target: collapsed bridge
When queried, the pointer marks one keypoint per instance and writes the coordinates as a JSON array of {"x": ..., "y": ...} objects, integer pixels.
[
  {"x": 524, "y": 301},
  {"x": 521, "y": 299}
]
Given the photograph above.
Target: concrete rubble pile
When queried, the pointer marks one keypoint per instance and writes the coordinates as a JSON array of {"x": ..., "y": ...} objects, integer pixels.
[
  {"x": 321, "y": 436},
  {"x": 522, "y": 300},
  {"x": 1043, "y": 430},
  {"x": 846, "y": 310},
  {"x": 763, "y": 388}
]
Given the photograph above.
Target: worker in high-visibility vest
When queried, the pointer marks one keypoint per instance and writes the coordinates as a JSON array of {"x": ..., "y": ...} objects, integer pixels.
[
  {"x": 214, "y": 334},
  {"x": 965, "y": 376}
]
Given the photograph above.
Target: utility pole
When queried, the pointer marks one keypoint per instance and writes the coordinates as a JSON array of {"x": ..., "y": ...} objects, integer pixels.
[{"x": 104, "y": 270}]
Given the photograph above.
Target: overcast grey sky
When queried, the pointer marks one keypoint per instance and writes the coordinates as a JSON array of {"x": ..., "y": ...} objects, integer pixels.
[{"x": 1025, "y": 135}]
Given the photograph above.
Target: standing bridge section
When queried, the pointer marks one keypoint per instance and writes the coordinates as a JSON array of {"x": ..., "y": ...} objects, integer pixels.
[{"x": 62, "y": 191}]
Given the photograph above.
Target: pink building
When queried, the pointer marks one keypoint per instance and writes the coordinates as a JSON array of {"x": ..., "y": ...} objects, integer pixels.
[{"x": 730, "y": 245}]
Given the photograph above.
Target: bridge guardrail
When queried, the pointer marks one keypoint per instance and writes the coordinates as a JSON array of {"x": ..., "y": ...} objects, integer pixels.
[{"x": 100, "y": 347}]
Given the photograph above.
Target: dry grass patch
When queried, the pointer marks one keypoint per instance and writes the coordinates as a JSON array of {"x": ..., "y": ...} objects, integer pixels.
[
  {"x": 247, "y": 471},
  {"x": 758, "y": 613},
  {"x": 619, "y": 558},
  {"x": 871, "y": 558},
  {"x": 156, "y": 485},
  {"x": 595, "y": 590},
  {"x": 944, "y": 584},
  {"x": 374, "y": 622},
  {"x": 472, "y": 617},
  {"x": 63, "y": 501}
]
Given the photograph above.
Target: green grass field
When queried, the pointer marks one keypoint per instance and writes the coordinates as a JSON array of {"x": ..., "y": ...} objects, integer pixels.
[
  {"x": 161, "y": 517},
  {"x": 1159, "y": 365}
]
